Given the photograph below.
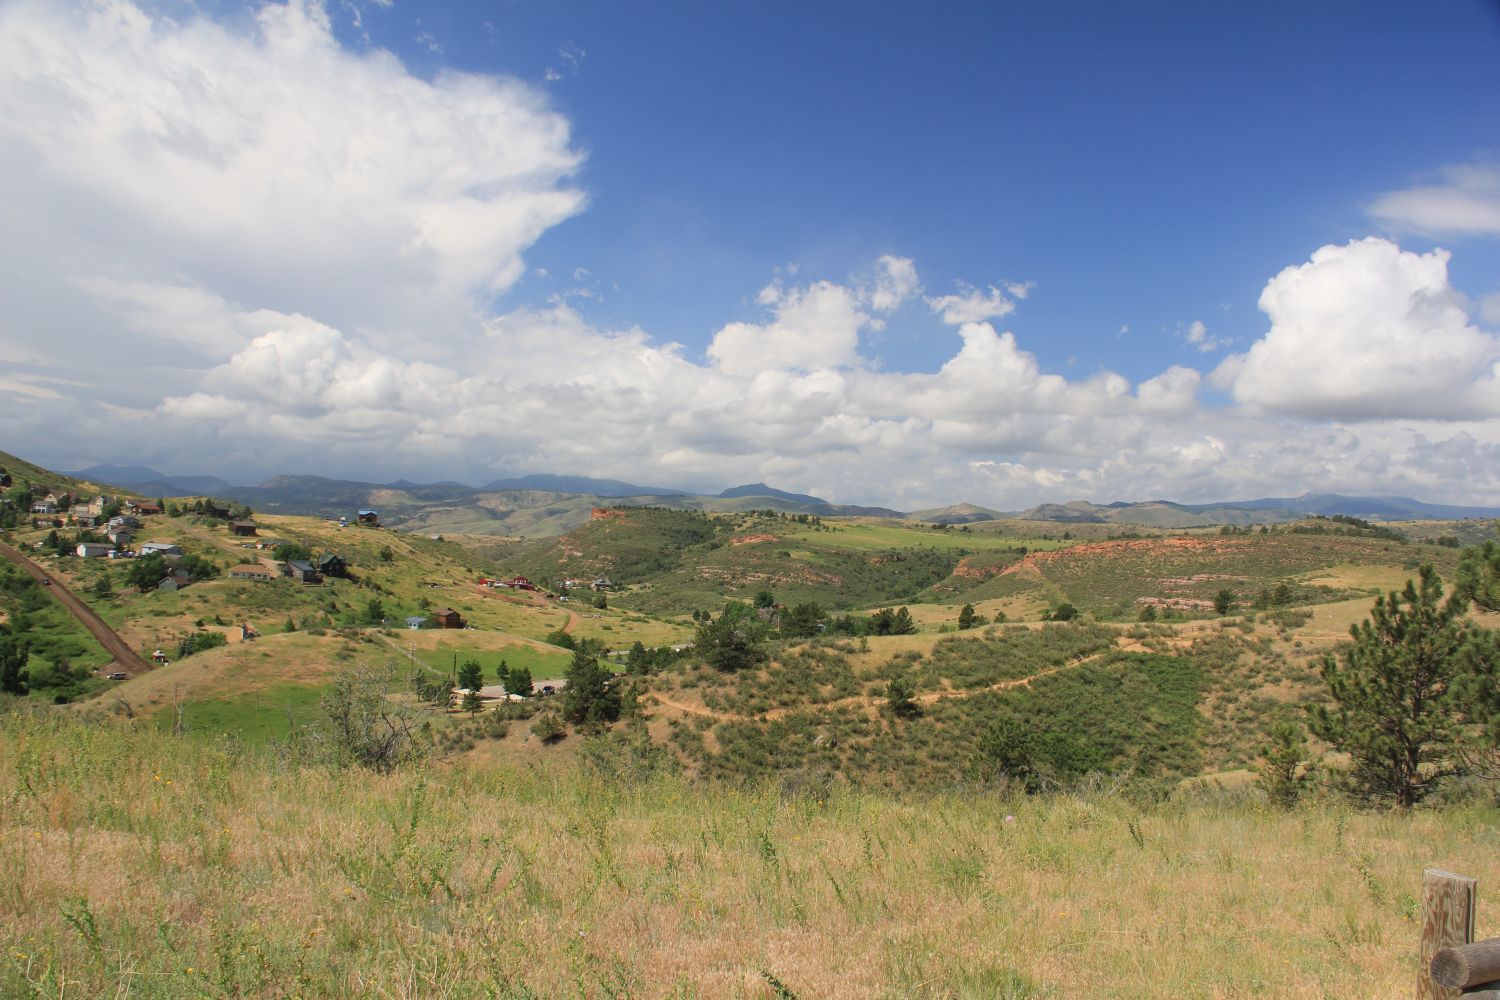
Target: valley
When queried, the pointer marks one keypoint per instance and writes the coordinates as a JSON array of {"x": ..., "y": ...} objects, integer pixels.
[{"x": 752, "y": 747}]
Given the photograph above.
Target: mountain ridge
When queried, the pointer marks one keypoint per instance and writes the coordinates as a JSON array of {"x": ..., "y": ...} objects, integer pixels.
[{"x": 549, "y": 504}]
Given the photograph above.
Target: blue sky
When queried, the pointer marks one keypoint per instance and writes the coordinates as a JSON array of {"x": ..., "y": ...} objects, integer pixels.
[
  {"x": 1144, "y": 165},
  {"x": 998, "y": 253}
]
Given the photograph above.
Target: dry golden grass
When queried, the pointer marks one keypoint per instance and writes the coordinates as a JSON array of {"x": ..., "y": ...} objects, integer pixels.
[
  {"x": 132, "y": 864},
  {"x": 239, "y": 668}
]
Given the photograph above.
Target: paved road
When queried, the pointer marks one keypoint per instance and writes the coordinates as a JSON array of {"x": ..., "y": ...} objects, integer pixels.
[{"x": 125, "y": 658}]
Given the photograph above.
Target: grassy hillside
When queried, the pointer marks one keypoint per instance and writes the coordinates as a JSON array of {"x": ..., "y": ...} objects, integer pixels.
[
  {"x": 674, "y": 561},
  {"x": 1191, "y": 692},
  {"x": 22, "y": 471},
  {"x": 266, "y": 688},
  {"x": 1183, "y": 573},
  {"x": 140, "y": 865}
]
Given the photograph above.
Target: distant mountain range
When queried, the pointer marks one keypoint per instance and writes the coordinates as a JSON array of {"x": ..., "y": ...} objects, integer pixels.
[
  {"x": 1167, "y": 514},
  {"x": 544, "y": 504}
]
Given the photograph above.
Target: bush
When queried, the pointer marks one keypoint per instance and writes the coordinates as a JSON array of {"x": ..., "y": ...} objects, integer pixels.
[
  {"x": 548, "y": 727},
  {"x": 1285, "y": 774},
  {"x": 362, "y": 726}
]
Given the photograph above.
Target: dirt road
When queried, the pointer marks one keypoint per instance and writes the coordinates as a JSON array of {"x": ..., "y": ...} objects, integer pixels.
[
  {"x": 868, "y": 702},
  {"x": 126, "y": 658}
]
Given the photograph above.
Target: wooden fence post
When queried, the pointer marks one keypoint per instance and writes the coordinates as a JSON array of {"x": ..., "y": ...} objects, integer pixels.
[{"x": 1447, "y": 920}]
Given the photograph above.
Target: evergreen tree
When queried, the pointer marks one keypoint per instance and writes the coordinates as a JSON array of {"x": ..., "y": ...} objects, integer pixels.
[
  {"x": 1396, "y": 705},
  {"x": 517, "y": 680},
  {"x": 1479, "y": 576},
  {"x": 1286, "y": 772},
  {"x": 472, "y": 702},
  {"x": 967, "y": 618},
  {"x": 803, "y": 621},
  {"x": 901, "y": 623},
  {"x": 548, "y": 728},
  {"x": 636, "y": 661},
  {"x": 1007, "y": 749},
  {"x": 1224, "y": 602},
  {"x": 14, "y": 652},
  {"x": 730, "y": 642},
  {"x": 590, "y": 697},
  {"x": 901, "y": 693},
  {"x": 470, "y": 676}
]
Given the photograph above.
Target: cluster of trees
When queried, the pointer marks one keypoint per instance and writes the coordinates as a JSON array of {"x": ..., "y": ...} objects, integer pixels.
[
  {"x": 201, "y": 507},
  {"x": 515, "y": 680},
  {"x": 734, "y": 639},
  {"x": 197, "y": 642},
  {"x": 293, "y": 551},
  {"x": 147, "y": 571},
  {"x": 888, "y": 622},
  {"x": 643, "y": 659},
  {"x": 15, "y": 653},
  {"x": 1344, "y": 524},
  {"x": 968, "y": 618},
  {"x": 29, "y": 633}
]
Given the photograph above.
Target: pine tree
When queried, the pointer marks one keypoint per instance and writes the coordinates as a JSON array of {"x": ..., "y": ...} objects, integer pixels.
[
  {"x": 517, "y": 680},
  {"x": 590, "y": 696},
  {"x": 1396, "y": 707},
  {"x": 1286, "y": 772},
  {"x": 14, "y": 652},
  {"x": 470, "y": 676},
  {"x": 1479, "y": 576},
  {"x": 901, "y": 623},
  {"x": 636, "y": 661},
  {"x": 730, "y": 642}
]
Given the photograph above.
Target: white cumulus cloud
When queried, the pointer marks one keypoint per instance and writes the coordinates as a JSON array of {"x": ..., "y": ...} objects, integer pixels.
[
  {"x": 814, "y": 327},
  {"x": 266, "y": 164},
  {"x": 1367, "y": 331}
]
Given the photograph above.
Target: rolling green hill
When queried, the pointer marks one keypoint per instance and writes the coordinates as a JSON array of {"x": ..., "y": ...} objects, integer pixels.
[{"x": 815, "y": 706}]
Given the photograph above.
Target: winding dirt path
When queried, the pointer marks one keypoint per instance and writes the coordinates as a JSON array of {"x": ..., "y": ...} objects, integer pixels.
[
  {"x": 868, "y": 702},
  {"x": 125, "y": 657}
]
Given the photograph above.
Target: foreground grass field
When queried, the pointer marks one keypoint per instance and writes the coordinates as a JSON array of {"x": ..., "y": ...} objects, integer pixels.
[{"x": 133, "y": 864}]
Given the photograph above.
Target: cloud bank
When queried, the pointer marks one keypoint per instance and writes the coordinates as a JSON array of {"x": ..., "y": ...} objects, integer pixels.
[{"x": 245, "y": 250}]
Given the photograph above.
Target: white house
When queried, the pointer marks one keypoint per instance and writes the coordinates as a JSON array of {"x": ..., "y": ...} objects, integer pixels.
[
  {"x": 162, "y": 548},
  {"x": 94, "y": 550}
]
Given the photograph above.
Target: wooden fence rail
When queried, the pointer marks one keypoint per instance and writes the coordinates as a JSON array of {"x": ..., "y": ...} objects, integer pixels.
[{"x": 1453, "y": 963}]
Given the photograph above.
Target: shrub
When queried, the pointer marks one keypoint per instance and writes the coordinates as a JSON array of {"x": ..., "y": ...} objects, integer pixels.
[{"x": 548, "y": 727}]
